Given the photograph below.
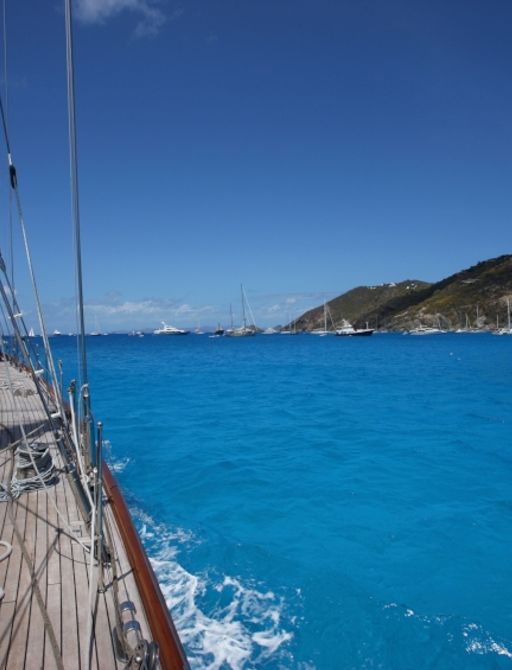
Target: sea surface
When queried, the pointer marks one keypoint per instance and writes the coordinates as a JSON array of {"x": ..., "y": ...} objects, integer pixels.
[{"x": 319, "y": 502}]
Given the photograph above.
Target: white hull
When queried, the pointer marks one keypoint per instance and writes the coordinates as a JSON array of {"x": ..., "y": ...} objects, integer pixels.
[
  {"x": 354, "y": 332},
  {"x": 169, "y": 330},
  {"x": 241, "y": 332}
]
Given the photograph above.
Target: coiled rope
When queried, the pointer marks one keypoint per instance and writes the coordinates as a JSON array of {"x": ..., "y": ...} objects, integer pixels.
[{"x": 7, "y": 552}]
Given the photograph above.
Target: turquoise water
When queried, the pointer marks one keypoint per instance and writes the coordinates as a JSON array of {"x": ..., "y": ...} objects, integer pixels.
[{"x": 327, "y": 503}]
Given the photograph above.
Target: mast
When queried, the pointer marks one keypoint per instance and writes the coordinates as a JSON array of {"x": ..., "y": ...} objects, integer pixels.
[
  {"x": 244, "y": 319},
  {"x": 73, "y": 167}
]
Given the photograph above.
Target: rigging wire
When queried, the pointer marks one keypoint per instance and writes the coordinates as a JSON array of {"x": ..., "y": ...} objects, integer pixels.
[
  {"x": 84, "y": 385},
  {"x": 39, "y": 476},
  {"x": 14, "y": 187},
  {"x": 21, "y": 542},
  {"x": 42, "y": 326},
  {"x": 6, "y": 98}
]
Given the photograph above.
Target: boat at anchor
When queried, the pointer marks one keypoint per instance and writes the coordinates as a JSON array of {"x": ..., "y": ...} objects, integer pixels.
[
  {"x": 169, "y": 330},
  {"x": 347, "y": 330},
  {"x": 322, "y": 332},
  {"x": 244, "y": 330}
]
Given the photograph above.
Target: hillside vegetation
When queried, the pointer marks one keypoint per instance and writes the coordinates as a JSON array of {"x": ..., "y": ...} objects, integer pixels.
[{"x": 476, "y": 297}]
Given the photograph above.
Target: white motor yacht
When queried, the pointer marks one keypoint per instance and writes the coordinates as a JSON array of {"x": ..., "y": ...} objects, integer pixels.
[{"x": 170, "y": 330}]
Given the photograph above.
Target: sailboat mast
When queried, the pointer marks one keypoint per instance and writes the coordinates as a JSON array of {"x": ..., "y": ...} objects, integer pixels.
[
  {"x": 73, "y": 166},
  {"x": 244, "y": 319}
]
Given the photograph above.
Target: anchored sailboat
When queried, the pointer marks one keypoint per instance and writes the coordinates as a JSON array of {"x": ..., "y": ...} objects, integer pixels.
[
  {"x": 322, "y": 332},
  {"x": 508, "y": 329},
  {"x": 244, "y": 330},
  {"x": 291, "y": 329}
]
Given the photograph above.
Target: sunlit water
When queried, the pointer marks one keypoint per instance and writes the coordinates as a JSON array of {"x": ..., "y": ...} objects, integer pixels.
[{"x": 327, "y": 503}]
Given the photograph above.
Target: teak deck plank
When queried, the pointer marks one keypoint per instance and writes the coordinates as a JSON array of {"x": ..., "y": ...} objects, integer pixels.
[
  {"x": 36, "y": 633},
  {"x": 6, "y": 534},
  {"x": 7, "y": 616},
  {"x": 70, "y": 638},
  {"x": 24, "y": 599},
  {"x": 53, "y": 580},
  {"x": 23, "y": 596},
  {"x": 60, "y": 562}
]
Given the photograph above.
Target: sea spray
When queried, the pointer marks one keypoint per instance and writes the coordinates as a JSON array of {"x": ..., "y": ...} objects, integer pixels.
[{"x": 243, "y": 626}]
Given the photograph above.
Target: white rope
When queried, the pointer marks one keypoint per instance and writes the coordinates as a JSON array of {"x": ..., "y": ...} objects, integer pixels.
[
  {"x": 8, "y": 549},
  {"x": 59, "y": 513},
  {"x": 76, "y": 443},
  {"x": 24, "y": 460}
]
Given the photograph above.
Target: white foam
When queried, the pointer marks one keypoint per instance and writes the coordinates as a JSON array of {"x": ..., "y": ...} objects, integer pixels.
[
  {"x": 116, "y": 465},
  {"x": 119, "y": 466},
  {"x": 242, "y": 632},
  {"x": 476, "y": 639},
  {"x": 271, "y": 641},
  {"x": 480, "y": 642}
]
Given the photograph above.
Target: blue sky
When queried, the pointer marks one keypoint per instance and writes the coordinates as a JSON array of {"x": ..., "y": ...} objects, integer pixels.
[{"x": 300, "y": 147}]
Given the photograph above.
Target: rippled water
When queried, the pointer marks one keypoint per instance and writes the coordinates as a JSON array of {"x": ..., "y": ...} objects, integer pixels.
[{"x": 323, "y": 503}]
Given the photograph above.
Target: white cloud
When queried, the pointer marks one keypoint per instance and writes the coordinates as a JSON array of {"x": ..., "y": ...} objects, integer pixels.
[
  {"x": 187, "y": 310},
  {"x": 274, "y": 308},
  {"x": 143, "y": 307},
  {"x": 150, "y": 17},
  {"x": 184, "y": 309},
  {"x": 114, "y": 312}
]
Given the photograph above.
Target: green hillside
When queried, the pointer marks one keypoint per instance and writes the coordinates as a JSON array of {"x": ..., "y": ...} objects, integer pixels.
[
  {"x": 476, "y": 296},
  {"x": 364, "y": 303}
]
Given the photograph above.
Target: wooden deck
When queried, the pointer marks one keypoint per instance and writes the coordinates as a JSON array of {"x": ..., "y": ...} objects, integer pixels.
[{"x": 45, "y": 617}]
